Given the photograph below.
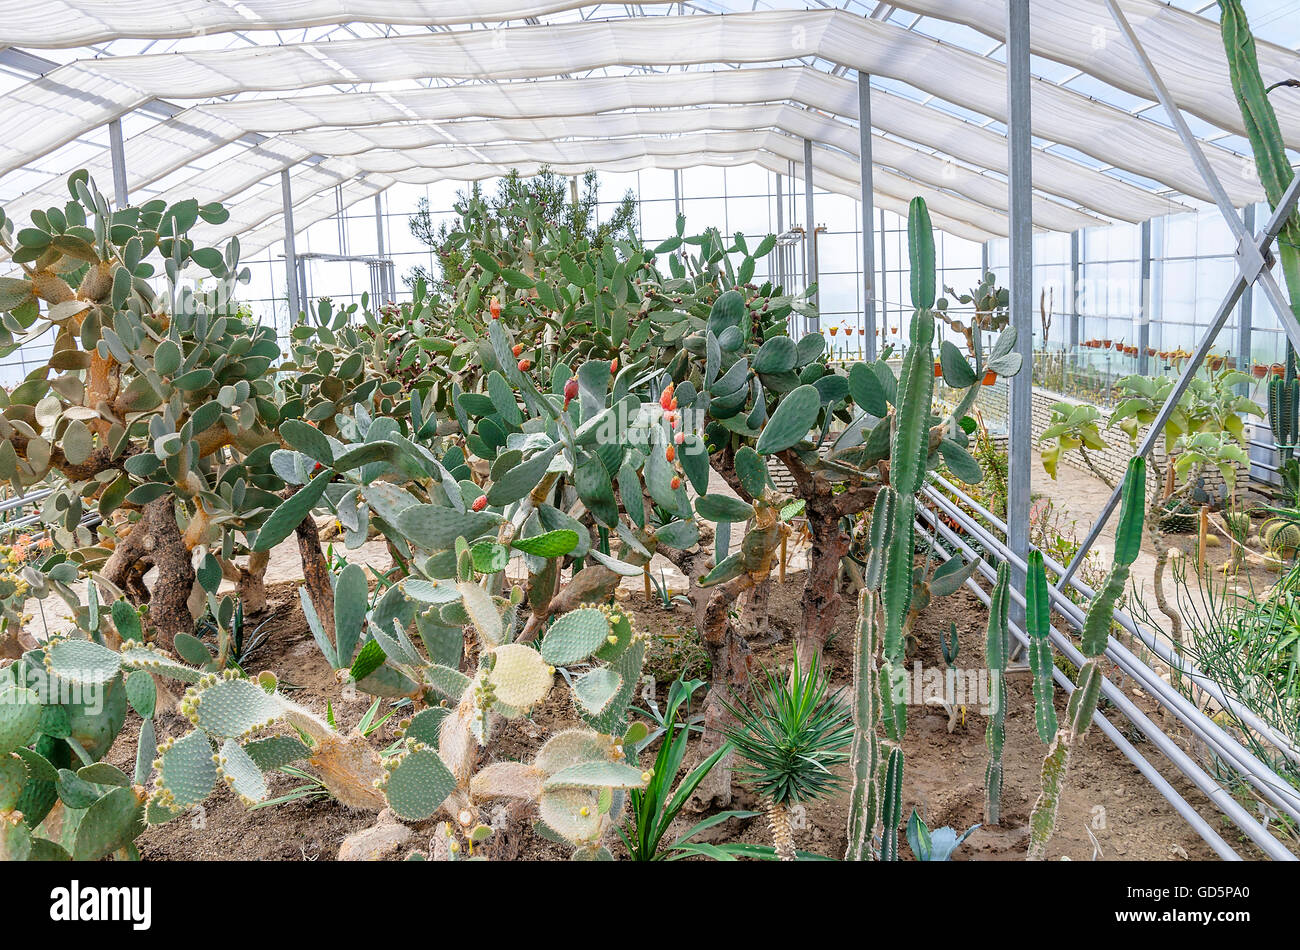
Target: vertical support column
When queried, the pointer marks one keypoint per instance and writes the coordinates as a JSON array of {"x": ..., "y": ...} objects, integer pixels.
[
  {"x": 117, "y": 151},
  {"x": 386, "y": 292},
  {"x": 1145, "y": 313},
  {"x": 1021, "y": 251},
  {"x": 677, "y": 192},
  {"x": 780, "y": 229},
  {"x": 810, "y": 238},
  {"x": 865, "y": 163},
  {"x": 884, "y": 283},
  {"x": 290, "y": 254},
  {"x": 1072, "y": 330},
  {"x": 1246, "y": 316}
]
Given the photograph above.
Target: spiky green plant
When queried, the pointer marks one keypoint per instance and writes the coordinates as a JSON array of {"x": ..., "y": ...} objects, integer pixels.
[{"x": 791, "y": 733}]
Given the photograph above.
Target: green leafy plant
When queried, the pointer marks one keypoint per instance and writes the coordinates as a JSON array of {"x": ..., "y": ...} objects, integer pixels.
[
  {"x": 791, "y": 734},
  {"x": 653, "y": 809},
  {"x": 936, "y": 845}
]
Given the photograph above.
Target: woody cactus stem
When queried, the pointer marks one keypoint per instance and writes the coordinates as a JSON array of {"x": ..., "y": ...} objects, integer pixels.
[
  {"x": 1096, "y": 634},
  {"x": 996, "y": 654}
]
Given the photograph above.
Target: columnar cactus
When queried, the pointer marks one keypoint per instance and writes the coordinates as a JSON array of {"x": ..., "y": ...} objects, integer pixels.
[
  {"x": 1095, "y": 636},
  {"x": 998, "y": 642}
]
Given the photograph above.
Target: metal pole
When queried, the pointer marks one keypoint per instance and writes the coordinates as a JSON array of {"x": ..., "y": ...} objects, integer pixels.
[
  {"x": 1072, "y": 336},
  {"x": 385, "y": 291},
  {"x": 1145, "y": 313},
  {"x": 884, "y": 282},
  {"x": 117, "y": 150},
  {"x": 290, "y": 255},
  {"x": 780, "y": 229},
  {"x": 1021, "y": 251},
  {"x": 868, "y": 216},
  {"x": 810, "y": 235},
  {"x": 677, "y": 193},
  {"x": 1245, "y": 318}
]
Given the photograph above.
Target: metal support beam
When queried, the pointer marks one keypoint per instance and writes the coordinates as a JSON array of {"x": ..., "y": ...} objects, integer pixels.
[
  {"x": 1245, "y": 277},
  {"x": 290, "y": 255},
  {"x": 1145, "y": 312},
  {"x": 810, "y": 234},
  {"x": 677, "y": 192},
  {"x": 780, "y": 229},
  {"x": 868, "y": 217},
  {"x": 1072, "y": 328},
  {"x": 884, "y": 282},
  {"x": 1021, "y": 259},
  {"x": 117, "y": 151},
  {"x": 1245, "y": 319},
  {"x": 386, "y": 292}
]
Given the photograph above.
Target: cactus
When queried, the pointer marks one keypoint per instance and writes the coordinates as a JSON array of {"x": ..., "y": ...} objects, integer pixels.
[
  {"x": 864, "y": 755},
  {"x": 998, "y": 641},
  {"x": 1096, "y": 633},
  {"x": 891, "y": 811},
  {"x": 1038, "y": 625}
]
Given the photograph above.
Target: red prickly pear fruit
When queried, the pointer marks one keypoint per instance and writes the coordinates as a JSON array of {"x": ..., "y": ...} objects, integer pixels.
[
  {"x": 479, "y": 503},
  {"x": 679, "y": 438},
  {"x": 676, "y": 483},
  {"x": 570, "y": 389},
  {"x": 666, "y": 398},
  {"x": 525, "y": 365},
  {"x": 495, "y": 309},
  {"x": 673, "y": 404},
  {"x": 517, "y": 349},
  {"x": 613, "y": 366},
  {"x": 318, "y": 467},
  {"x": 670, "y": 453}
]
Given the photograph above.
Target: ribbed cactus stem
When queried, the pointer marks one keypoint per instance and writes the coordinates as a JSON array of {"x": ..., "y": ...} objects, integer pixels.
[
  {"x": 1096, "y": 633},
  {"x": 891, "y": 811},
  {"x": 864, "y": 755},
  {"x": 996, "y": 654}
]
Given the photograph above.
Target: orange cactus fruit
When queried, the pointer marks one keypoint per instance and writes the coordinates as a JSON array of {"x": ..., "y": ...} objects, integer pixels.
[{"x": 479, "y": 503}]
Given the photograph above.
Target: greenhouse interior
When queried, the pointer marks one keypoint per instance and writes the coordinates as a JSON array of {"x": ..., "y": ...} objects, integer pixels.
[{"x": 534, "y": 430}]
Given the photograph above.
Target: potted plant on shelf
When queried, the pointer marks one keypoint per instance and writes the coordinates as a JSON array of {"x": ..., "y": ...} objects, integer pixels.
[{"x": 1259, "y": 370}]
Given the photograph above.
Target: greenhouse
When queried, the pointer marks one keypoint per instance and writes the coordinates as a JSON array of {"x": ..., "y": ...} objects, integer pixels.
[{"x": 534, "y": 430}]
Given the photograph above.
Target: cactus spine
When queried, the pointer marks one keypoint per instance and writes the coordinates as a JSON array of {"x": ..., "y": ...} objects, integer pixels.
[
  {"x": 996, "y": 654},
  {"x": 1096, "y": 632}
]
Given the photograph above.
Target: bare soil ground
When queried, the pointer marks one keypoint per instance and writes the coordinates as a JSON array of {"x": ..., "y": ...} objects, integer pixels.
[{"x": 1107, "y": 799}]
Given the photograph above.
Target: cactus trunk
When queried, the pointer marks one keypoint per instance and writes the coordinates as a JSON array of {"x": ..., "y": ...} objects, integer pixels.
[
  {"x": 996, "y": 654},
  {"x": 864, "y": 756}
]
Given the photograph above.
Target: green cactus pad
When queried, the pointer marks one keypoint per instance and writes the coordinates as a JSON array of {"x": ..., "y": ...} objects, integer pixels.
[
  {"x": 418, "y": 784},
  {"x": 274, "y": 752},
  {"x": 80, "y": 661},
  {"x": 109, "y": 825},
  {"x": 597, "y": 775},
  {"x": 628, "y": 666},
  {"x": 15, "y": 838},
  {"x": 155, "y": 661},
  {"x": 572, "y": 813},
  {"x": 187, "y": 774},
  {"x": 678, "y": 535},
  {"x": 435, "y": 528},
  {"x": 13, "y": 779},
  {"x": 596, "y": 689},
  {"x": 520, "y": 677},
  {"x": 20, "y": 716},
  {"x": 723, "y": 508},
  {"x": 431, "y": 592},
  {"x": 572, "y": 747},
  {"x": 795, "y": 415},
  {"x": 575, "y": 636},
  {"x": 752, "y": 471},
  {"x": 777, "y": 355},
  {"x": 241, "y": 773},
  {"x": 550, "y": 544},
  {"x": 236, "y": 707},
  {"x": 142, "y": 693},
  {"x": 426, "y": 725}
]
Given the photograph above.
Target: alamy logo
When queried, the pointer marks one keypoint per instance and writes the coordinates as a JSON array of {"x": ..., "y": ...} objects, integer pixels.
[{"x": 77, "y": 903}]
